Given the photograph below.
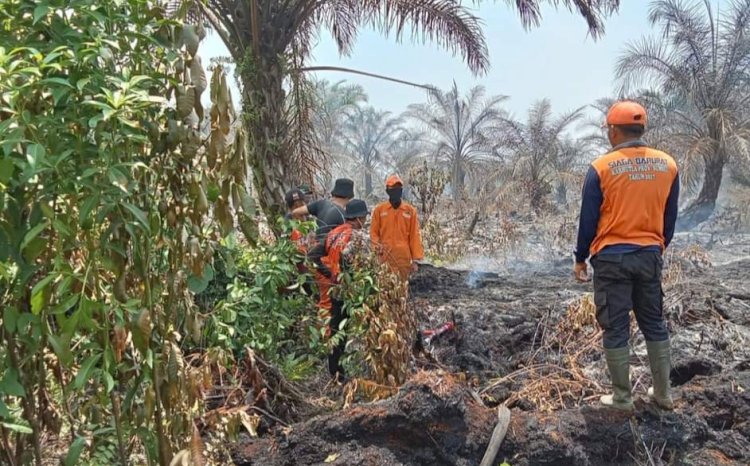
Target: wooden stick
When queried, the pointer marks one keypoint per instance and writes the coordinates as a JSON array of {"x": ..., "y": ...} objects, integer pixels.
[{"x": 501, "y": 428}]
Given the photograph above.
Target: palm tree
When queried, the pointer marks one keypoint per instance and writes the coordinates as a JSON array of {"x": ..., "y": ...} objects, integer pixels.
[
  {"x": 540, "y": 150},
  {"x": 701, "y": 59},
  {"x": 270, "y": 41},
  {"x": 333, "y": 104},
  {"x": 407, "y": 149},
  {"x": 460, "y": 129},
  {"x": 593, "y": 11},
  {"x": 367, "y": 136}
]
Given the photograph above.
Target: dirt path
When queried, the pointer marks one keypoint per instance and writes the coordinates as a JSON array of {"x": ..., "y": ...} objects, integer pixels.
[{"x": 506, "y": 350}]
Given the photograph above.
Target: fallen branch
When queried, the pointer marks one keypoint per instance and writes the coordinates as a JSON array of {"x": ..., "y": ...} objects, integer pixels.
[{"x": 498, "y": 434}]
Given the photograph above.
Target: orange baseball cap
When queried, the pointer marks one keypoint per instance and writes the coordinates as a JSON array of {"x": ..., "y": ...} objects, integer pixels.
[
  {"x": 393, "y": 180},
  {"x": 627, "y": 112}
]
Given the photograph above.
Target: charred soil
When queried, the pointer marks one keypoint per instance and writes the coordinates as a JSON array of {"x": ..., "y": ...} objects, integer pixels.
[{"x": 525, "y": 338}]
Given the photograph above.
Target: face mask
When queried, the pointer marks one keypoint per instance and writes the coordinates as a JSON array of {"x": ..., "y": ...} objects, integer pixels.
[{"x": 394, "y": 195}]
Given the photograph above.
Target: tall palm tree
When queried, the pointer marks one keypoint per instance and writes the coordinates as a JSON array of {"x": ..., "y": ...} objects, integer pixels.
[
  {"x": 367, "y": 136},
  {"x": 701, "y": 58},
  {"x": 407, "y": 149},
  {"x": 270, "y": 41},
  {"x": 333, "y": 104},
  {"x": 540, "y": 150},
  {"x": 460, "y": 129}
]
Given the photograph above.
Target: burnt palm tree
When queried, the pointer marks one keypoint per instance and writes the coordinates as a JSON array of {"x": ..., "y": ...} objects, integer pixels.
[
  {"x": 270, "y": 41},
  {"x": 540, "y": 151},
  {"x": 701, "y": 59},
  {"x": 461, "y": 130},
  {"x": 367, "y": 136}
]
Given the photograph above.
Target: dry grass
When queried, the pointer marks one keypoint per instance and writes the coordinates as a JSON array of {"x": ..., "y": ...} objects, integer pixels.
[
  {"x": 678, "y": 262},
  {"x": 553, "y": 377}
]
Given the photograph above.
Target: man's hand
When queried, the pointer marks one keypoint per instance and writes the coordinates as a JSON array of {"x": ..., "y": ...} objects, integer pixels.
[
  {"x": 581, "y": 272},
  {"x": 414, "y": 267}
]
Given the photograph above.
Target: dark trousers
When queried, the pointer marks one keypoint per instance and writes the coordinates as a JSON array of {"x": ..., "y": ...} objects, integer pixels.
[
  {"x": 337, "y": 316},
  {"x": 629, "y": 281}
]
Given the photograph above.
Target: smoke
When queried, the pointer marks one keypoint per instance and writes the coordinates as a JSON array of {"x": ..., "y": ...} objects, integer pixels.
[
  {"x": 473, "y": 279},
  {"x": 478, "y": 268}
]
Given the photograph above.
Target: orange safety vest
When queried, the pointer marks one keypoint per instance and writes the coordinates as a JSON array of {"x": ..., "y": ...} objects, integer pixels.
[
  {"x": 635, "y": 183},
  {"x": 336, "y": 242}
]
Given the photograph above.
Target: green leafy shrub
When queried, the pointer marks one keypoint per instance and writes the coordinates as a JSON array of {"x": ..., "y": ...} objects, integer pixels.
[
  {"x": 110, "y": 207},
  {"x": 267, "y": 308}
]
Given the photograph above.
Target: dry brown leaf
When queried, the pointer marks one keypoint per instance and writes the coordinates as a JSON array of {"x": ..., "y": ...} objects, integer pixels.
[
  {"x": 251, "y": 422},
  {"x": 191, "y": 39}
]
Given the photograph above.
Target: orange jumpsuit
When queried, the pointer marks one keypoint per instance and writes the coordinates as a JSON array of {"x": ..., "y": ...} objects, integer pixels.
[
  {"x": 395, "y": 234},
  {"x": 327, "y": 256}
]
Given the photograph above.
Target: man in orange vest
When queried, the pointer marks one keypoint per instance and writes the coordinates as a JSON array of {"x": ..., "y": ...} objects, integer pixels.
[
  {"x": 395, "y": 230},
  {"x": 628, "y": 215},
  {"x": 329, "y": 259}
]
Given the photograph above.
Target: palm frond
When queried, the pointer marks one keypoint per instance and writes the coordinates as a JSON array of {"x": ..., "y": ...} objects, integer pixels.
[
  {"x": 444, "y": 22},
  {"x": 593, "y": 11}
]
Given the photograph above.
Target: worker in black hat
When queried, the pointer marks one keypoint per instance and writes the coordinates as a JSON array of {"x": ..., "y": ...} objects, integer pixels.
[
  {"x": 328, "y": 258},
  {"x": 329, "y": 215}
]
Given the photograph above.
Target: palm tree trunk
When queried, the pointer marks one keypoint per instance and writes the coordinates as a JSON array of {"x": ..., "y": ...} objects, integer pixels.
[
  {"x": 562, "y": 193},
  {"x": 267, "y": 131},
  {"x": 701, "y": 209},
  {"x": 457, "y": 182},
  {"x": 368, "y": 183}
]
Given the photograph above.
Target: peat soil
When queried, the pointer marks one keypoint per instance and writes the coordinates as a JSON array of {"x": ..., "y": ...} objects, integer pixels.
[{"x": 445, "y": 414}]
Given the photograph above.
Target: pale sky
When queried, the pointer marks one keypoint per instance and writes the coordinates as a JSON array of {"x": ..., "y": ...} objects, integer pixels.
[{"x": 557, "y": 60}]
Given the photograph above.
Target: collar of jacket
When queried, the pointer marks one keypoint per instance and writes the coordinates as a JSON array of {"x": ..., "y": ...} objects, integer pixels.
[{"x": 625, "y": 145}]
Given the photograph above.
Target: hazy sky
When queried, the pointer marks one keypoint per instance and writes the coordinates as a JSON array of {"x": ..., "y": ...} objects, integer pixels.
[{"x": 557, "y": 60}]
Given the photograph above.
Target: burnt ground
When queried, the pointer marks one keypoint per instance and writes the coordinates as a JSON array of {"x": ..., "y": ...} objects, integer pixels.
[{"x": 506, "y": 319}]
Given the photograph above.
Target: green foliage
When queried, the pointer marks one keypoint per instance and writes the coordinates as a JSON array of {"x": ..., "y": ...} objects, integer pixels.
[
  {"x": 380, "y": 324},
  {"x": 267, "y": 309},
  {"x": 104, "y": 224}
]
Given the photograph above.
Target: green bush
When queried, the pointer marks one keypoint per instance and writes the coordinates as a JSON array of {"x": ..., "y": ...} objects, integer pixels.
[{"x": 267, "y": 309}]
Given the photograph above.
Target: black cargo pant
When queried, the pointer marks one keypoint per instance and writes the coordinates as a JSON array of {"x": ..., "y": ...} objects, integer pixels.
[
  {"x": 337, "y": 316},
  {"x": 629, "y": 281}
]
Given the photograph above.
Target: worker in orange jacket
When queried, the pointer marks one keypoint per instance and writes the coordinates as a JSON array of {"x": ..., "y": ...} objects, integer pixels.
[
  {"x": 395, "y": 230},
  {"x": 328, "y": 257},
  {"x": 628, "y": 215}
]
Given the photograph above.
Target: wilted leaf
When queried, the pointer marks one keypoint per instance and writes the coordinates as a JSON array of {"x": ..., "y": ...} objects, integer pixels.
[
  {"x": 251, "y": 423},
  {"x": 190, "y": 39},
  {"x": 185, "y": 100},
  {"x": 198, "y": 75},
  {"x": 331, "y": 458}
]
